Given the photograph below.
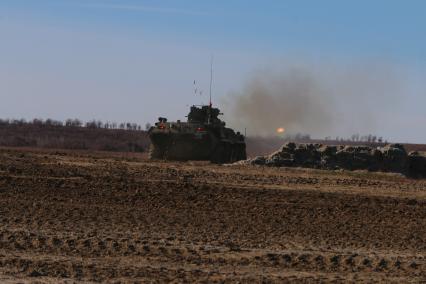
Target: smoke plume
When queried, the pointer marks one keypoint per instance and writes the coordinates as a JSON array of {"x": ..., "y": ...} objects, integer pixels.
[{"x": 317, "y": 100}]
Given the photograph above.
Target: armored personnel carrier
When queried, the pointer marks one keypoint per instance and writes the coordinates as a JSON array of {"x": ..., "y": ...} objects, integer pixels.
[{"x": 203, "y": 137}]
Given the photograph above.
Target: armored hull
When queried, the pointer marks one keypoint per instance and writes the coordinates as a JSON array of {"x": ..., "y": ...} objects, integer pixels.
[{"x": 202, "y": 137}]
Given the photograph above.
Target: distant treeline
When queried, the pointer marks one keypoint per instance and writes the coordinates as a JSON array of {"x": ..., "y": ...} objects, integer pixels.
[
  {"x": 73, "y": 134},
  {"x": 74, "y": 123},
  {"x": 369, "y": 138}
]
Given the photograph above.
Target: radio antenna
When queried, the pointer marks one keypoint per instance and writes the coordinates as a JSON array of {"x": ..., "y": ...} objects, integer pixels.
[{"x": 211, "y": 80}]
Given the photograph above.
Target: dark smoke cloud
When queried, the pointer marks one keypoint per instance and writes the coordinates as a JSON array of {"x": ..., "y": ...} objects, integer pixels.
[{"x": 318, "y": 100}]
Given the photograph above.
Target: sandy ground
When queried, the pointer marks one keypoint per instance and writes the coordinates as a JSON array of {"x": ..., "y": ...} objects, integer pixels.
[{"x": 77, "y": 217}]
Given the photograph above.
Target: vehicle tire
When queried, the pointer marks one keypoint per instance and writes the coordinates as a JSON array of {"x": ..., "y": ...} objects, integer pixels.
[
  {"x": 219, "y": 154},
  {"x": 242, "y": 152},
  {"x": 237, "y": 153},
  {"x": 155, "y": 152},
  {"x": 228, "y": 153},
  {"x": 233, "y": 157}
]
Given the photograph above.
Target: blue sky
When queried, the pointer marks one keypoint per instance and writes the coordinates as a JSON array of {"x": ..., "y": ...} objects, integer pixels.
[{"x": 136, "y": 60}]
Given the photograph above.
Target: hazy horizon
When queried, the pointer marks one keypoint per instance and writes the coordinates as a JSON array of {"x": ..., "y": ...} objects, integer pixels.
[{"x": 329, "y": 68}]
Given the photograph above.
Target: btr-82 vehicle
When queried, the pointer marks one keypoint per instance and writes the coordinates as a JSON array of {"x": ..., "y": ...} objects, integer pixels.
[{"x": 203, "y": 137}]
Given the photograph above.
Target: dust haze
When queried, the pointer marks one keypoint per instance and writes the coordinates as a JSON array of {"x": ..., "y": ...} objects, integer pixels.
[{"x": 320, "y": 100}]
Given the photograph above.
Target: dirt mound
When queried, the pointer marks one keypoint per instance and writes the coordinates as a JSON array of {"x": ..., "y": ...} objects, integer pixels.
[{"x": 390, "y": 158}]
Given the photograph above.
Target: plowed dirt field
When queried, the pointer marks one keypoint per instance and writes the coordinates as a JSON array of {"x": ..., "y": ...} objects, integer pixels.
[{"x": 71, "y": 217}]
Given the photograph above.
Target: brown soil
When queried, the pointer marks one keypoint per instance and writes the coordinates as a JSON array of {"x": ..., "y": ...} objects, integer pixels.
[{"x": 75, "y": 217}]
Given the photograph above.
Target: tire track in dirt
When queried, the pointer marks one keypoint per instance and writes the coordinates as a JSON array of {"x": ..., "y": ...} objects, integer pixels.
[{"x": 99, "y": 218}]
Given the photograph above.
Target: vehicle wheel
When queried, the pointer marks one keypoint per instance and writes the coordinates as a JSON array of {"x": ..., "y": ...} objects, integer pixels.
[
  {"x": 241, "y": 152},
  {"x": 228, "y": 153},
  {"x": 155, "y": 153},
  {"x": 219, "y": 154},
  {"x": 234, "y": 153}
]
